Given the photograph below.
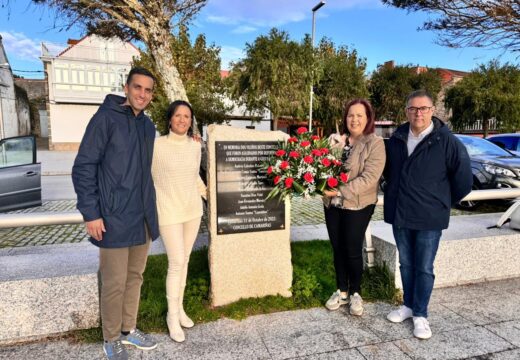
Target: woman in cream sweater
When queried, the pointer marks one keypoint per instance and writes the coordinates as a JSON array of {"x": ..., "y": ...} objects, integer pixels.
[
  {"x": 179, "y": 188},
  {"x": 349, "y": 208}
]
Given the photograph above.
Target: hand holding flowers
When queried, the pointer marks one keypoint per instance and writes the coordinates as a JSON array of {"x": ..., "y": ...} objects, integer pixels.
[{"x": 304, "y": 166}]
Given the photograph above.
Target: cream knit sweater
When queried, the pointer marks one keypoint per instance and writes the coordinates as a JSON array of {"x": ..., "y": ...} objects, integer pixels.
[{"x": 175, "y": 172}]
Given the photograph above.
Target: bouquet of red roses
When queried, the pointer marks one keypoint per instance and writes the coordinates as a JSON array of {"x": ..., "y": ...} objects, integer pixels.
[{"x": 304, "y": 166}]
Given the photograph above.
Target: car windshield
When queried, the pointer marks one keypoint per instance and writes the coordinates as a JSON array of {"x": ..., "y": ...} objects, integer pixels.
[{"x": 477, "y": 146}]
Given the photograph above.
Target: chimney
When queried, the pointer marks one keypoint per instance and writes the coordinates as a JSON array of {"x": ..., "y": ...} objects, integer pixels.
[{"x": 389, "y": 64}]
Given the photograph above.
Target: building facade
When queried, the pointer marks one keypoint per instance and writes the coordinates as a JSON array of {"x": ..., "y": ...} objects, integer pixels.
[
  {"x": 78, "y": 79},
  {"x": 14, "y": 115}
]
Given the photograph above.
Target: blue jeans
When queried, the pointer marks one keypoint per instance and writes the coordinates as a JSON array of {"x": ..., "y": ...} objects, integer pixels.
[{"x": 417, "y": 250}]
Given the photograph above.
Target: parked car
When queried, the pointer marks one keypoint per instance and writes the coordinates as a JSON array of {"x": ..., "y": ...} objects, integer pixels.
[
  {"x": 492, "y": 166},
  {"x": 510, "y": 142},
  {"x": 20, "y": 174}
]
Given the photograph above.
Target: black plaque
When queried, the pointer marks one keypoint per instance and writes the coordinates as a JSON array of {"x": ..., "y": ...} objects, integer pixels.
[{"x": 242, "y": 189}]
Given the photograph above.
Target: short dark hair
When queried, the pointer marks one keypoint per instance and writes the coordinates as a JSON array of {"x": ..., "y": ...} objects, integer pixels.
[
  {"x": 371, "y": 117},
  {"x": 173, "y": 108},
  {"x": 139, "y": 71},
  {"x": 419, "y": 93}
]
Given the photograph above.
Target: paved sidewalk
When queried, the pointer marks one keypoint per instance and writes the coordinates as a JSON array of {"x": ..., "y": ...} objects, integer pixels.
[{"x": 469, "y": 322}]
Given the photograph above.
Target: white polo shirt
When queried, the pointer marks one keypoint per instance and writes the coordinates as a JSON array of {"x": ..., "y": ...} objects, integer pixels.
[{"x": 413, "y": 140}]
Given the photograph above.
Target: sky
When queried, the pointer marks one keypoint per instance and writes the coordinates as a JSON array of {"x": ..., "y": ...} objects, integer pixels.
[{"x": 377, "y": 32}]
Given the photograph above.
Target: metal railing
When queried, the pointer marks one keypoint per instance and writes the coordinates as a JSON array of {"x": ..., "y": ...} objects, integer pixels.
[{"x": 74, "y": 217}]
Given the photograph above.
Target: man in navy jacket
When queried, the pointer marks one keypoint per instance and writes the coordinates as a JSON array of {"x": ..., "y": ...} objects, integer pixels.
[
  {"x": 427, "y": 170},
  {"x": 112, "y": 179}
]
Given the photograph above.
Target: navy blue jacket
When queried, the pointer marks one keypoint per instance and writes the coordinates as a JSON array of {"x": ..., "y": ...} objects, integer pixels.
[
  {"x": 112, "y": 175},
  {"x": 422, "y": 187}
]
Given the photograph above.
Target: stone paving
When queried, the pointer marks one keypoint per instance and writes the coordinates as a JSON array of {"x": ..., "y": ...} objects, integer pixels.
[
  {"x": 479, "y": 322},
  {"x": 304, "y": 212}
]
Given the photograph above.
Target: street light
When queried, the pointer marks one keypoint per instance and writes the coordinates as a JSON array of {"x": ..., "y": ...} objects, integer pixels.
[{"x": 314, "y": 9}]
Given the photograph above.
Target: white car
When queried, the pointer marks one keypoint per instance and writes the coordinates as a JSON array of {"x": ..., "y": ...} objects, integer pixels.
[{"x": 20, "y": 174}]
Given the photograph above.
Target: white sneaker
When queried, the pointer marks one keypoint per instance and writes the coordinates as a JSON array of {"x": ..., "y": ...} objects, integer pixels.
[
  {"x": 356, "y": 305},
  {"x": 400, "y": 315},
  {"x": 421, "y": 328},
  {"x": 336, "y": 301}
]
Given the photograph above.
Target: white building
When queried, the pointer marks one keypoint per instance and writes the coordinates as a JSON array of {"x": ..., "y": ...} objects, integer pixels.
[
  {"x": 79, "y": 78},
  {"x": 239, "y": 117},
  {"x": 9, "y": 125}
]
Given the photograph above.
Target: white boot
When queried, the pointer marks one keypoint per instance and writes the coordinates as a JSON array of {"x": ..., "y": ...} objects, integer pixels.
[
  {"x": 172, "y": 320},
  {"x": 174, "y": 327},
  {"x": 184, "y": 319}
]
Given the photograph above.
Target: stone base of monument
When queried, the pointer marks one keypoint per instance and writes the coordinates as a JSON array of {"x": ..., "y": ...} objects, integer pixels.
[
  {"x": 249, "y": 247},
  {"x": 468, "y": 252}
]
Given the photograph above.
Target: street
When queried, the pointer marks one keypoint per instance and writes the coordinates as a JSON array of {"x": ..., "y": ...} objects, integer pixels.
[{"x": 57, "y": 187}]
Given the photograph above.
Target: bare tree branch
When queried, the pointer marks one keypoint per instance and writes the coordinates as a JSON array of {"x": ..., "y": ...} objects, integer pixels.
[{"x": 470, "y": 23}]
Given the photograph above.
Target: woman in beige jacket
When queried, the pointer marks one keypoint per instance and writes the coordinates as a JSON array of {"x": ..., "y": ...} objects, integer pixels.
[{"x": 348, "y": 210}]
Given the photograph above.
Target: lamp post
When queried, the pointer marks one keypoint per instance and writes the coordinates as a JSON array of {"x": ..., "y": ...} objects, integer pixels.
[{"x": 314, "y": 9}]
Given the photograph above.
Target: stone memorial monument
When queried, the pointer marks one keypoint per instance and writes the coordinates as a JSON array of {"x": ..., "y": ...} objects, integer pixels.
[{"x": 249, "y": 249}]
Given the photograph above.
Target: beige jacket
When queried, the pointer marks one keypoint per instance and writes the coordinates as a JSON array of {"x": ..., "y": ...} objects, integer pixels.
[{"x": 365, "y": 164}]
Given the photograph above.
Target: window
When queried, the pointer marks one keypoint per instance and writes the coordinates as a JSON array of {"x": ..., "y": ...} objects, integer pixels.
[{"x": 15, "y": 152}]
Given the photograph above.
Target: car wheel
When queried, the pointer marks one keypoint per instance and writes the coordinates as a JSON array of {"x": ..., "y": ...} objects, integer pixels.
[{"x": 471, "y": 204}]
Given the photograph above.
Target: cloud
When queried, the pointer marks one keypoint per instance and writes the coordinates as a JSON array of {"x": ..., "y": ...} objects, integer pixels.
[
  {"x": 18, "y": 45},
  {"x": 269, "y": 13},
  {"x": 230, "y": 54},
  {"x": 243, "y": 29}
]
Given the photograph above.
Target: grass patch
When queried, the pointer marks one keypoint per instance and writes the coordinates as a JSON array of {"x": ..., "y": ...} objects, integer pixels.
[{"x": 313, "y": 283}]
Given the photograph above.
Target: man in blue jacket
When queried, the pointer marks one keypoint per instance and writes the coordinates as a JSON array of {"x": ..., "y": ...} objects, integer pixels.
[
  {"x": 427, "y": 170},
  {"x": 113, "y": 182}
]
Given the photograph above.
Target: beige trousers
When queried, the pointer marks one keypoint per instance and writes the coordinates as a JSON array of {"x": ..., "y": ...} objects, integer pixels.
[
  {"x": 178, "y": 240},
  {"x": 121, "y": 271}
]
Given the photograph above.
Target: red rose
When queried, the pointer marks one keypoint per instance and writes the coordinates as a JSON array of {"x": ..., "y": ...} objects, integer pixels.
[
  {"x": 326, "y": 162},
  {"x": 316, "y": 152},
  {"x": 292, "y": 140},
  {"x": 315, "y": 137},
  {"x": 294, "y": 154},
  {"x": 305, "y": 143},
  {"x": 332, "y": 182},
  {"x": 280, "y": 152},
  {"x": 308, "y": 177},
  {"x": 308, "y": 159},
  {"x": 277, "y": 179},
  {"x": 336, "y": 162},
  {"x": 324, "y": 151},
  {"x": 284, "y": 165},
  {"x": 288, "y": 182},
  {"x": 343, "y": 177},
  {"x": 301, "y": 130},
  {"x": 270, "y": 170}
]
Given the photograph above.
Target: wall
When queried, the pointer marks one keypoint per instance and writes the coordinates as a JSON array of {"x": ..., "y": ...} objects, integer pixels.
[{"x": 68, "y": 123}]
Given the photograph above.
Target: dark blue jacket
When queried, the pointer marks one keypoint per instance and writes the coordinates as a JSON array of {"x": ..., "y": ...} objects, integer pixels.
[
  {"x": 422, "y": 187},
  {"x": 112, "y": 174}
]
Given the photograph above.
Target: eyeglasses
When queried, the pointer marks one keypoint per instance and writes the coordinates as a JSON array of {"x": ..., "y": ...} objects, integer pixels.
[{"x": 422, "y": 109}]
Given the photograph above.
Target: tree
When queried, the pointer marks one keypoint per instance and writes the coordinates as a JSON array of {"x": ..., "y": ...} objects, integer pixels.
[
  {"x": 199, "y": 68},
  {"x": 389, "y": 86},
  {"x": 275, "y": 74},
  {"x": 490, "y": 91},
  {"x": 149, "y": 21},
  {"x": 342, "y": 78},
  {"x": 477, "y": 23}
]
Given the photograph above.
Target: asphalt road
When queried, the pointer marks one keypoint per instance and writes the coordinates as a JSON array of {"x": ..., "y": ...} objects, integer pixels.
[{"x": 57, "y": 187}]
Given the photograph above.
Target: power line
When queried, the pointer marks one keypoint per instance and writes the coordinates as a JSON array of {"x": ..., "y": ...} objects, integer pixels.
[{"x": 29, "y": 71}]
